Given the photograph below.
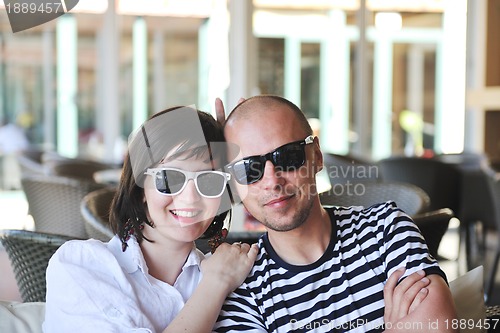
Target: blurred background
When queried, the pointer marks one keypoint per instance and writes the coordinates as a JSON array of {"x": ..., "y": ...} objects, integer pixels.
[{"x": 79, "y": 84}]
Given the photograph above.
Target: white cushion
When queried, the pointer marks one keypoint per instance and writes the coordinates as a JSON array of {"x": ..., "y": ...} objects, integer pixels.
[
  {"x": 21, "y": 317},
  {"x": 468, "y": 294}
]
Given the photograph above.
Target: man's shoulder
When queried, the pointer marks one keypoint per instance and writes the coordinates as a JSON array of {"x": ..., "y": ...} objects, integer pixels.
[{"x": 354, "y": 213}]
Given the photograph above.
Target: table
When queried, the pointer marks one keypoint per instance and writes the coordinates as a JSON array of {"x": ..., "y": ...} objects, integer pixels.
[{"x": 108, "y": 176}]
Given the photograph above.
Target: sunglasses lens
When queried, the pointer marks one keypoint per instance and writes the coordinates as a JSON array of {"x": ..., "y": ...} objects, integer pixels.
[
  {"x": 211, "y": 184},
  {"x": 289, "y": 157},
  {"x": 169, "y": 181},
  {"x": 248, "y": 171},
  {"x": 286, "y": 158}
]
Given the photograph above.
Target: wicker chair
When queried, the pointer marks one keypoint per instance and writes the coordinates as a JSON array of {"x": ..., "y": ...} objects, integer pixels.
[
  {"x": 440, "y": 180},
  {"x": 95, "y": 211},
  {"x": 348, "y": 169},
  {"x": 29, "y": 253},
  {"x": 408, "y": 197},
  {"x": 30, "y": 162},
  {"x": 54, "y": 203},
  {"x": 77, "y": 168}
]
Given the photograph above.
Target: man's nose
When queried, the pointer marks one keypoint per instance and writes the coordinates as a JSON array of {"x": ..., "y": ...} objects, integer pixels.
[{"x": 272, "y": 176}]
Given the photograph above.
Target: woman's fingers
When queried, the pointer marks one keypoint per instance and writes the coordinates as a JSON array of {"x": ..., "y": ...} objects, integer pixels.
[
  {"x": 219, "y": 111},
  {"x": 403, "y": 298},
  {"x": 389, "y": 288}
]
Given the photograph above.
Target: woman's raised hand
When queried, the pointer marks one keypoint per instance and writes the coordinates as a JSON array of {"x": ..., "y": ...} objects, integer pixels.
[
  {"x": 230, "y": 264},
  {"x": 403, "y": 298},
  {"x": 220, "y": 113}
]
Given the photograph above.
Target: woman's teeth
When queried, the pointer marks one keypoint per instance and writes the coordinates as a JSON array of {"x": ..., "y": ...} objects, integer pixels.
[{"x": 183, "y": 213}]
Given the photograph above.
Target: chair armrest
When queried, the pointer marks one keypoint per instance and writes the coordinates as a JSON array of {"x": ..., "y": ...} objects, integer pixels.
[
  {"x": 433, "y": 226},
  {"x": 433, "y": 217}
]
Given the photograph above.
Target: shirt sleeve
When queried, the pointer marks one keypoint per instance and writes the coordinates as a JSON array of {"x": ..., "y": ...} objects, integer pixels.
[
  {"x": 404, "y": 246},
  {"x": 84, "y": 293},
  {"x": 240, "y": 313}
]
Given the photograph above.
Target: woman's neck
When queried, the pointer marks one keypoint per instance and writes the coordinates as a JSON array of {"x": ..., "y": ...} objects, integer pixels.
[{"x": 165, "y": 261}]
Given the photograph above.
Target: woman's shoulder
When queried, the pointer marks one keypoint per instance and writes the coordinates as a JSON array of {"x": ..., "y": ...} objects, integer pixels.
[{"x": 81, "y": 251}]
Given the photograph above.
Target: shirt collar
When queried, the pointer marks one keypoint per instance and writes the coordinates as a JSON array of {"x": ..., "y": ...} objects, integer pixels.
[{"x": 132, "y": 259}]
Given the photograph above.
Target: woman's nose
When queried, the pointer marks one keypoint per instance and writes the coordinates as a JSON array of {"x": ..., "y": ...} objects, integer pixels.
[{"x": 190, "y": 193}]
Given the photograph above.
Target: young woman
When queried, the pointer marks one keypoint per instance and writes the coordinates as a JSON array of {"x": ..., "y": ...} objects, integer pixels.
[{"x": 150, "y": 277}]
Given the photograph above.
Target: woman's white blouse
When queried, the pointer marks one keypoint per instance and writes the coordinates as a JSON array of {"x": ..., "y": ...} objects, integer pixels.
[{"x": 95, "y": 287}]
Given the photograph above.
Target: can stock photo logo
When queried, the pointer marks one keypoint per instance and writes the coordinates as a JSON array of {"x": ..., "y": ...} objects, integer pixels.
[{"x": 26, "y": 14}]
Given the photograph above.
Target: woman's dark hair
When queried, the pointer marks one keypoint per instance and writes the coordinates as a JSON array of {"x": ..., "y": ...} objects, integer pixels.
[{"x": 189, "y": 132}]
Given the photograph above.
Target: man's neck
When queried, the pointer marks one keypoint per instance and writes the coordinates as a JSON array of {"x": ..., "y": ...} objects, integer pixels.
[{"x": 306, "y": 244}]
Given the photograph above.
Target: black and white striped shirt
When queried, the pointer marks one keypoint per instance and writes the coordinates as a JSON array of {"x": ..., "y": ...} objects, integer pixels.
[{"x": 340, "y": 292}]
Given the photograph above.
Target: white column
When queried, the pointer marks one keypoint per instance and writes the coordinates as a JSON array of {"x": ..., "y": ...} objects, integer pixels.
[
  {"x": 3, "y": 85},
  {"x": 204, "y": 67},
  {"x": 242, "y": 53},
  {"x": 140, "y": 70},
  {"x": 49, "y": 112},
  {"x": 159, "y": 100},
  {"x": 100, "y": 111},
  {"x": 382, "y": 98},
  {"x": 67, "y": 82},
  {"x": 110, "y": 93},
  {"x": 360, "y": 110},
  {"x": 415, "y": 79},
  {"x": 214, "y": 63},
  {"x": 334, "y": 86},
  {"x": 292, "y": 69},
  {"x": 475, "y": 69},
  {"x": 450, "y": 113}
]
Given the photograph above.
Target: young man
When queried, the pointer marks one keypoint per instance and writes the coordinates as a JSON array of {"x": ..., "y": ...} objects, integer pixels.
[{"x": 320, "y": 270}]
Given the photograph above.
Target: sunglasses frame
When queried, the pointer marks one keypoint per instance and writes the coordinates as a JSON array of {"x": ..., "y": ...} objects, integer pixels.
[
  {"x": 188, "y": 176},
  {"x": 268, "y": 157}
]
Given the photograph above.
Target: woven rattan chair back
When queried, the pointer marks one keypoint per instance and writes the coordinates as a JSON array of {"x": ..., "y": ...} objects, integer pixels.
[
  {"x": 30, "y": 162},
  {"x": 410, "y": 198},
  {"x": 77, "y": 168},
  {"x": 29, "y": 253},
  {"x": 95, "y": 211},
  {"x": 348, "y": 169},
  {"x": 54, "y": 202},
  {"x": 441, "y": 181}
]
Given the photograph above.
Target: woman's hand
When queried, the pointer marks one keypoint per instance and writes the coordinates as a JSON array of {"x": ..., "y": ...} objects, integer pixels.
[
  {"x": 230, "y": 264},
  {"x": 403, "y": 298}
]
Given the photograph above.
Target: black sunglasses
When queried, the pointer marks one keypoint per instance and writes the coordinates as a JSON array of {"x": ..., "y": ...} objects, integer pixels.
[
  {"x": 288, "y": 157},
  {"x": 170, "y": 181}
]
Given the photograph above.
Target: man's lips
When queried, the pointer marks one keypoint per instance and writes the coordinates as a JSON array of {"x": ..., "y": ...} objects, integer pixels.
[{"x": 277, "y": 201}]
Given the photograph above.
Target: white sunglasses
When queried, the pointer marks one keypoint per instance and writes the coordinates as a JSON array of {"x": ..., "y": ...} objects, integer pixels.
[{"x": 171, "y": 181}]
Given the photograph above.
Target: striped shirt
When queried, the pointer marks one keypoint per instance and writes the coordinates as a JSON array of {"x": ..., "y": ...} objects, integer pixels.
[{"x": 340, "y": 292}]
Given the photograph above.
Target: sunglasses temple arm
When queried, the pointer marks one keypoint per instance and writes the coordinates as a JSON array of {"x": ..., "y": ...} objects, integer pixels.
[{"x": 147, "y": 144}]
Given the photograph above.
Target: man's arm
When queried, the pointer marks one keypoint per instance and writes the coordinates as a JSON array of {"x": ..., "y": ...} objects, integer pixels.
[
  {"x": 436, "y": 312},
  {"x": 401, "y": 299},
  {"x": 405, "y": 247}
]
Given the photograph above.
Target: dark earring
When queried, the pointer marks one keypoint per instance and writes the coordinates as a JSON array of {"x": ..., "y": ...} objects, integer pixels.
[
  {"x": 130, "y": 228},
  {"x": 217, "y": 239}
]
